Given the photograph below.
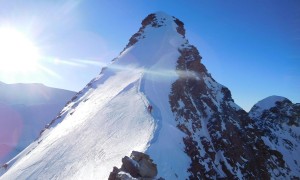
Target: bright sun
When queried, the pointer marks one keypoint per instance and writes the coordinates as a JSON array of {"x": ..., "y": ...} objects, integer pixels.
[{"x": 17, "y": 52}]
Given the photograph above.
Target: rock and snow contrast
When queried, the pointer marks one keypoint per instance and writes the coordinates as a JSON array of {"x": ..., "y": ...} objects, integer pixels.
[
  {"x": 137, "y": 166},
  {"x": 25, "y": 109},
  {"x": 195, "y": 130},
  {"x": 279, "y": 120}
]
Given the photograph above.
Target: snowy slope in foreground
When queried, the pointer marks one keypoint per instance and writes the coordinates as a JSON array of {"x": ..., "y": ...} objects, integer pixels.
[
  {"x": 24, "y": 110},
  {"x": 92, "y": 137},
  {"x": 109, "y": 118}
]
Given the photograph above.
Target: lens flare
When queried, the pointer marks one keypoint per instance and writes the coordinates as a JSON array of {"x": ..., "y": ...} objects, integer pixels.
[
  {"x": 10, "y": 130},
  {"x": 17, "y": 52}
]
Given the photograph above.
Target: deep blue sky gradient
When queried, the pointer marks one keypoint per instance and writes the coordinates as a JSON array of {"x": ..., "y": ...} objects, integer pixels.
[{"x": 252, "y": 47}]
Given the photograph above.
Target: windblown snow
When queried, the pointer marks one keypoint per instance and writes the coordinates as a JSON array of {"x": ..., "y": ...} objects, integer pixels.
[{"x": 109, "y": 117}]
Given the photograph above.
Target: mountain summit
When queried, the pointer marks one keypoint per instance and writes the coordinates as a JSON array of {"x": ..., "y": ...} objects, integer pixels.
[{"x": 195, "y": 130}]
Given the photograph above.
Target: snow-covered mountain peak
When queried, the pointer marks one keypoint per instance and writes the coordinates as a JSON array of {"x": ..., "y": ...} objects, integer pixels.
[
  {"x": 279, "y": 120},
  {"x": 161, "y": 19},
  {"x": 270, "y": 102},
  {"x": 265, "y": 104},
  {"x": 155, "y": 97},
  {"x": 157, "y": 30},
  {"x": 157, "y": 20},
  {"x": 276, "y": 110}
]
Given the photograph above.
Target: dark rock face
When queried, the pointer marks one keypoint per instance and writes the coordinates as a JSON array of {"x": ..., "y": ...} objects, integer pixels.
[
  {"x": 130, "y": 167},
  {"x": 221, "y": 140},
  {"x": 180, "y": 27},
  {"x": 137, "y": 166},
  {"x": 151, "y": 20}
]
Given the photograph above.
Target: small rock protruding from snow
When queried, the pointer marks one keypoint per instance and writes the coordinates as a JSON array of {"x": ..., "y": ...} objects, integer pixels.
[{"x": 138, "y": 165}]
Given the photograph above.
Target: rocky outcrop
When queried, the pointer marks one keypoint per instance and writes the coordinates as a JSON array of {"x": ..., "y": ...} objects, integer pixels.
[
  {"x": 137, "y": 166},
  {"x": 221, "y": 140},
  {"x": 180, "y": 26}
]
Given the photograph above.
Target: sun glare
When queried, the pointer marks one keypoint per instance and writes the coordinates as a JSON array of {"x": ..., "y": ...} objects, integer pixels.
[{"x": 17, "y": 52}]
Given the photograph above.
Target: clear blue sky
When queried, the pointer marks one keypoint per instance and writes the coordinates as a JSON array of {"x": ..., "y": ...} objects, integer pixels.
[{"x": 252, "y": 47}]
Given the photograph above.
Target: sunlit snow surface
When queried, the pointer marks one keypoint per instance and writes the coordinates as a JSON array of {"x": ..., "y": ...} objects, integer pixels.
[{"x": 110, "y": 118}]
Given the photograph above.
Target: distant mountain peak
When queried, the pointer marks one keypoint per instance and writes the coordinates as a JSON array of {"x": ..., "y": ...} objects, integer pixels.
[
  {"x": 270, "y": 101},
  {"x": 265, "y": 104},
  {"x": 279, "y": 120}
]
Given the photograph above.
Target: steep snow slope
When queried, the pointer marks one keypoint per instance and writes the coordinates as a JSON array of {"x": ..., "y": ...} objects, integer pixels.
[
  {"x": 24, "y": 110},
  {"x": 109, "y": 122},
  {"x": 279, "y": 120}
]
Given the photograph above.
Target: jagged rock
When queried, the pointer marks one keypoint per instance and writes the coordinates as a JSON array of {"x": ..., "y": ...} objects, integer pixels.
[
  {"x": 138, "y": 165},
  {"x": 130, "y": 166},
  {"x": 180, "y": 27},
  {"x": 146, "y": 166},
  {"x": 114, "y": 173}
]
